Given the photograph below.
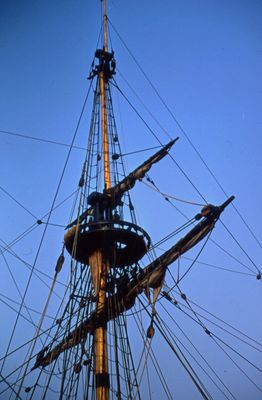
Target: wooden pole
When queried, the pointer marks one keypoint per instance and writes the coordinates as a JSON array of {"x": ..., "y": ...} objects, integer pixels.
[
  {"x": 104, "y": 131},
  {"x": 105, "y": 28},
  {"x": 103, "y": 105},
  {"x": 100, "y": 269},
  {"x": 98, "y": 263}
]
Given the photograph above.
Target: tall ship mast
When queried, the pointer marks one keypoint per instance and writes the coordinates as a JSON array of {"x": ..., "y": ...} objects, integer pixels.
[{"x": 113, "y": 268}]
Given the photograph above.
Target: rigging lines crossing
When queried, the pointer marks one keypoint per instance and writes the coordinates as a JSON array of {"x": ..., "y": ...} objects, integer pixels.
[
  {"x": 171, "y": 113},
  {"x": 91, "y": 343}
]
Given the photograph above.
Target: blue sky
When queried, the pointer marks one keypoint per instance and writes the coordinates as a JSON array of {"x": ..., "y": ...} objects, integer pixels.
[{"x": 205, "y": 59}]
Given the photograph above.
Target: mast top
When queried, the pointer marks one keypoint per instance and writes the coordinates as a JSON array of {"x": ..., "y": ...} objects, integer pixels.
[
  {"x": 106, "y": 60},
  {"x": 105, "y": 26}
]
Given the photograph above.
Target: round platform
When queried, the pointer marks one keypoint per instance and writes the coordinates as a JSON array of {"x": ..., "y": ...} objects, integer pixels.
[{"x": 122, "y": 242}]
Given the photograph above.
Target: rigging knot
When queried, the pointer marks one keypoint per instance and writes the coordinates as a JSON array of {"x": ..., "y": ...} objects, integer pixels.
[
  {"x": 183, "y": 296},
  {"x": 77, "y": 368},
  {"x": 87, "y": 362}
]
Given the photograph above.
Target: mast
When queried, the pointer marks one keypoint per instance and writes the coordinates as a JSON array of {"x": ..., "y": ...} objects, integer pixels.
[
  {"x": 90, "y": 336},
  {"x": 111, "y": 247},
  {"x": 102, "y": 81},
  {"x": 105, "y": 27},
  {"x": 152, "y": 276},
  {"x": 98, "y": 261},
  {"x": 101, "y": 264}
]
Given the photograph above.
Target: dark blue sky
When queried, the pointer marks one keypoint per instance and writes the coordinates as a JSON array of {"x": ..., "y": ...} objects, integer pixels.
[{"x": 205, "y": 59}]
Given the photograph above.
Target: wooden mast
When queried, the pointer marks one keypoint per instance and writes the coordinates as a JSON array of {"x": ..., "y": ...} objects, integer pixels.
[
  {"x": 98, "y": 262},
  {"x": 103, "y": 105}
]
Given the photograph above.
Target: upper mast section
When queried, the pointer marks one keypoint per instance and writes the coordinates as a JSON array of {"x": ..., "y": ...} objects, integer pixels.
[
  {"x": 104, "y": 70},
  {"x": 102, "y": 80},
  {"x": 105, "y": 27}
]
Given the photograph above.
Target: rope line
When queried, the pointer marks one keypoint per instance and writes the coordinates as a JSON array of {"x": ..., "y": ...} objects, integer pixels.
[
  {"x": 41, "y": 140},
  {"x": 153, "y": 187},
  {"x": 159, "y": 141},
  {"x": 45, "y": 228},
  {"x": 18, "y": 202},
  {"x": 185, "y": 134}
]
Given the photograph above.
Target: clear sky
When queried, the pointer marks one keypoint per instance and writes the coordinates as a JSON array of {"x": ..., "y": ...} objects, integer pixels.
[{"x": 205, "y": 59}]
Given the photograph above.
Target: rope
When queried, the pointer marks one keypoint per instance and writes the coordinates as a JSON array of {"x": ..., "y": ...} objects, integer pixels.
[
  {"x": 32, "y": 227},
  {"x": 238, "y": 366},
  {"x": 239, "y": 245},
  {"x": 153, "y": 187},
  {"x": 17, "y": 288},
  {"x": 10, "y": 387},
  {"x": 178, "y": 357},
  {"x": 38, "y": 330},
  {"x": 18, "y": 202},
  {"x": 29, "y": 308},
  {"x": 218, "y": 267},
  {"x": 178, "y": 305},
  {"x": 211, "y": 334},
  {"x": 226, "y": 323},
  {"x": 159, "y": 141},
  {"x": 45, "y": 229},
  {"x": 153, "y": 357},
  {"x": 185, "y": 134},
  {"x": 41, "y": 140},
  {"x": 202, "y": 357},
  {"x": 140, "y": 151},
  {"x": 144, "y": 105}
]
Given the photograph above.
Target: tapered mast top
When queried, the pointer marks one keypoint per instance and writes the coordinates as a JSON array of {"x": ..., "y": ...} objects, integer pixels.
[
  {"x": 105, "y": 26},
  {"x": 103, "y": 78}
]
